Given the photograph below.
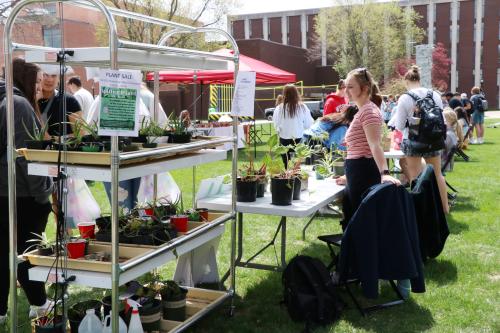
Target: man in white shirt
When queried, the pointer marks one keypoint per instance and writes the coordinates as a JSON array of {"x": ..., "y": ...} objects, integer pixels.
[{"x": 84, "y": 97}]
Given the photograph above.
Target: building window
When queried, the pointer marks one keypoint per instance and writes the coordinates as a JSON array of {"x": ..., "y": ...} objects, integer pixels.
[
  {"x": 52, "y": 37},
  {"x": 50, "y": 8}
]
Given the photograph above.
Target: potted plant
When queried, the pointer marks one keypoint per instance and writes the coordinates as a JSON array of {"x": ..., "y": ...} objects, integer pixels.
[
  {"x": 91, "y": 141},
  {"x": 304, "y": 180},
  {"x": 338, "y": 162},
  {"x": 301, "y": 153},
  {"x": 282, "y": 179},
  {"x": 37, "y": 136},
  {"x": 262, "y": 180},
  {"x": 50, "y": 323},
  {"x": 173, "y": 298},
  {"x": 77, "y": 312},
  {"x": 324, "y": 166},
  {"x": 178, "y": 133},
  {"x": 152, "y": 131},
  {"x": 180, "y": 220},
  {"x": 246, "y": 184},
  {"x": 42, "y": 244},
  {"x": 385, "y": 140},
  {"x": 150, "y": 309}
]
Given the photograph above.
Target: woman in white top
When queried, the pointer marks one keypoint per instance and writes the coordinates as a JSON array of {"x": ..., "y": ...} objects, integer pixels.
[
  {"x": 404, "y": 111},
  {"x": 291, "y": 118}
]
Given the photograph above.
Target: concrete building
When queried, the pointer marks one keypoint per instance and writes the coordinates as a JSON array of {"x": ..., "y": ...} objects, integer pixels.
[{"x": 473, "y": 48}]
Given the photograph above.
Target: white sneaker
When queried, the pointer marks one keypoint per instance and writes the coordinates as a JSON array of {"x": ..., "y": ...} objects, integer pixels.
[
  {"x": 472, "y": 141},
  {"x": 480, "y": 141},
  {"x": 40, "y": 311},
  {"x": 3, "y": 319}
]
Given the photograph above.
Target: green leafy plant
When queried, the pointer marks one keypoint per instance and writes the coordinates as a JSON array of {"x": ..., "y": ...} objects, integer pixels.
[
  {"x": 41, "y": 242},
  {"x": 325, "y": 165},
  {"x": 90, "y": 128},
  {"x": 175, "y": 125},
  {"x": 36, "y": 133},
  {"x": 151, "y": 130}
]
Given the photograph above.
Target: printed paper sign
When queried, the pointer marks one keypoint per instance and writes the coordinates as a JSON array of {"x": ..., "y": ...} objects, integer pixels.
[
  {"x": 118, "y": 112},
  {"x": 244, "y": 95}
]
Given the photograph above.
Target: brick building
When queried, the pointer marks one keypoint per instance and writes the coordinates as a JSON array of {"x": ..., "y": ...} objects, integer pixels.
[{"x": 473, "y": 48}]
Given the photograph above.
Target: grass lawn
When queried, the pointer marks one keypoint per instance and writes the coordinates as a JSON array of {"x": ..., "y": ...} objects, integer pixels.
[{"x": 463, "y": 283}]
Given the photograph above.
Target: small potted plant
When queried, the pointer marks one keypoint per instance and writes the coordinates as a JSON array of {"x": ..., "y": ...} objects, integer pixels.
[
  {"x": 150, "y": 309},
  {"x": 324, "y": 166},
  {"x": 37, "y": 136},
  {"x": 262, "y": 180},
  {"x": 246, "y": 183},
  {"x": 180, "y": 220},
  {"x": 339, "y": 161},
  {"x": 42, "y": 244},
  {"x": 173, "y": 298},
  {"x": 50, "y": 323},
  {"x": 385, "y": 140},
  {"x": 178, "y": 133},
  {"x": 152, "y": 131},
  {"x": 301, "y": 153}
]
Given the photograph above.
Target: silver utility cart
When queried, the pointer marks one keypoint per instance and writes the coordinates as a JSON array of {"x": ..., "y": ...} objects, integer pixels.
[{"x": 123, "y": 54}]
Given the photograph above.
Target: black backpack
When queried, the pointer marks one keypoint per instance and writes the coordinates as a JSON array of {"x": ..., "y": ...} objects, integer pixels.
[
  {"x": 479, "y": 103},
  {"x": 309, "y": 293},
  {"x": 427, "y": 129}
]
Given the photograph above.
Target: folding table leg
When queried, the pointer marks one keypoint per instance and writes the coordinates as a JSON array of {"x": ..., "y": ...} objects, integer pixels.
[{"x": 307, "y": 226}]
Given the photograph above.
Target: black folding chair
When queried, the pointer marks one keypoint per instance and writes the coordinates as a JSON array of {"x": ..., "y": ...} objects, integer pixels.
[{"x": 451, "y": 196}]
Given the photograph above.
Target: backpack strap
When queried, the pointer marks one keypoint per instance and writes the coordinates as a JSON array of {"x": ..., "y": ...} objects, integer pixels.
[
  {"x": 314, "y": 284},
  {"x": 412, "y": 95}
]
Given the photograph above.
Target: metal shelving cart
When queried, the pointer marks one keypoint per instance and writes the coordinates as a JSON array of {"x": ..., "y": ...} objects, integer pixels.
[{"x": 123, "y": 54}]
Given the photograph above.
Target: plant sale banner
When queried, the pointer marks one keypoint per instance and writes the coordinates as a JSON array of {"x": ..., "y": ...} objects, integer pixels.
[{"x": 119, "y": 93}]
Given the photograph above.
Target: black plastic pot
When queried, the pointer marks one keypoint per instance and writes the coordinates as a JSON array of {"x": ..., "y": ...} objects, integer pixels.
[
  {"x": 174, "y": 308},
  {"x": 246, "y": 191},
  {"x": 103, "y": 223},
  {"x": 282, "y": 191},
  {"x": 151, "y": 316},
  {"x": 42, "y": 145},
  {"x": 140, "y": 139},
  {"x": 338, "y": 168},
  {"x": 261, "y": 189},
  {"x": 179, "y": 137},
  {"x": 46, "y": 251},
  {"x": 296, "y": 188},
  {"x": 150, "y": 145},
  {"x": 103, "y": 236},
  {"x": 129, "y": 148},
  {"x": 106, "y": 308},
  {"x": 107, "y": 145}
]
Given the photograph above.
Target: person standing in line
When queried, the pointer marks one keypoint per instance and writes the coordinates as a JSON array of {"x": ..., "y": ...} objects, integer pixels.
[
  {"x": 83, "y": 96},
  {"x": 291, "y": 118},
  {"x": 32, "y": 192},
  {"x": 404, "y": 113},
  {"x": 50, "y": 102},
  {"x": 334, "y": 101},
  {"x": 365, "y": 163}
]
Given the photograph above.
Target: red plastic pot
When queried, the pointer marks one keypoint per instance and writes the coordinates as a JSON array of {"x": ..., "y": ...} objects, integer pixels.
[
  {"x": 203, "y": 213},
  {"x": 180, "y": 222},
  {"x": 87, "y": 229},
  {"x": 76, "y": 249},
  {"x": 149, "y": 211}
]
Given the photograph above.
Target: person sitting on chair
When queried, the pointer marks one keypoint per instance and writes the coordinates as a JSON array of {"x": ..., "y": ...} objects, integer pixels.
[{"x": 454, "y": 137}]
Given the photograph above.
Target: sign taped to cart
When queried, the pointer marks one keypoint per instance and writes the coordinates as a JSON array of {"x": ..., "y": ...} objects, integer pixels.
[{"x": 119, "y": 93}]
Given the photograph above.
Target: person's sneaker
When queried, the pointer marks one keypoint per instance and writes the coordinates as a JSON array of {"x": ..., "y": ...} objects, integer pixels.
[
  {"x": 404, "y": 288},
  {"x": 3, "y": 319},
  {"x": 472, "y": 141},
  {"x": 480, "y": 141},
  {"x": 39, "y": 311}
]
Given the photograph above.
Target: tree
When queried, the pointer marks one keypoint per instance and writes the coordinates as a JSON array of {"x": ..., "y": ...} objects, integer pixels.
[
  {"x": 185, "y": 12},
  {"x": 366, "y": 34},
  {"x": 440, "y": 67}
]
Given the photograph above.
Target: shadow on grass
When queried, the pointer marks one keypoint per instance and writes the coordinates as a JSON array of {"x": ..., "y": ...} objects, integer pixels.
[
  {"x": 440, "y": 271},
  {"x": 456, "y": 227}
]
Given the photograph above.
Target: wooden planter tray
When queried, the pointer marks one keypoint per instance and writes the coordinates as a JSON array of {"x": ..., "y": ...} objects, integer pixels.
[
  {"x": 196, "y": 300},
  {"x": 126, "y": 253},
  {"x": 104, "y": 158}
]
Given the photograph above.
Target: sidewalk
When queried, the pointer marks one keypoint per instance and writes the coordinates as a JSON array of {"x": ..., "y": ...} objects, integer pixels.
[{"x": 492, "y": 114}]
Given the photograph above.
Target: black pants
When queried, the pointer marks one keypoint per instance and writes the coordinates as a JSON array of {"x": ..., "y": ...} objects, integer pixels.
[
  {"x": 285, "y": 142},
  {"x": 361, "y": 174},
  {"x": 31, "y": 217}
]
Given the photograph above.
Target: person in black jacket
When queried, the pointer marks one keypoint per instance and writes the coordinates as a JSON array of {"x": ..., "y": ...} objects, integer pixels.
[
  {"x": 381, "y": 241},
  {"x": 33, "y": 192}
]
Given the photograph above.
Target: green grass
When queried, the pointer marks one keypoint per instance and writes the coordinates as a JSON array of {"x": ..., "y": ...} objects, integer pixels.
[{"x": 463, "y": 291}]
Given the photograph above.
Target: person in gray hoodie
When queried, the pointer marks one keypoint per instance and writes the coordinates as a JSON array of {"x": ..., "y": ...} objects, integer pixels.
[{"x": 33, "y": 192}]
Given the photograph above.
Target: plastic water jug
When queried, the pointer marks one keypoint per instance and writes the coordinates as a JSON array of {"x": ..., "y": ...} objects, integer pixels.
[
  {"x": 122, "y": 327},
  {"x": 90, "y": 323}
]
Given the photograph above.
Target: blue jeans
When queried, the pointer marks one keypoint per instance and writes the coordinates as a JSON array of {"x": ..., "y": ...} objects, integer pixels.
[{"x": 131, "y": 187}]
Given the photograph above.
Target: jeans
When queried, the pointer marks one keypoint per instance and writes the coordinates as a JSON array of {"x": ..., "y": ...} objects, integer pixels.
[
  {"x": 127, "y": 193},
  {"x": 31, "y": 218}
]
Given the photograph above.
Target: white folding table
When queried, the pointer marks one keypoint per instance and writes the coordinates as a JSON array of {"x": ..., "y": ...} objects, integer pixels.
[{"x": 319, "y": 194}]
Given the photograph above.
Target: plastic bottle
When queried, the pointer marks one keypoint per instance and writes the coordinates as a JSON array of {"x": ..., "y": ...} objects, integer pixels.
[
  {"x": 122, "y": 327},
  {"x": 135, "y": 325},
  {"x": 90, "y": 323}
]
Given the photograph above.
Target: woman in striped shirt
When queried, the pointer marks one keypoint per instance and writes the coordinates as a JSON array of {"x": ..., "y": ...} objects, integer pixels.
[{"x": 365, "y": 164}]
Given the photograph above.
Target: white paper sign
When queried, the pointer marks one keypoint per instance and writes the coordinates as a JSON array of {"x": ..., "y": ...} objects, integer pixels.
[
  {"x": 119, "y": 94},
  {"x": 244, "y": 95}
]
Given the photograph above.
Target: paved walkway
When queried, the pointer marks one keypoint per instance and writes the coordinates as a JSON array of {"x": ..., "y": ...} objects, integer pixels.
[{"x": 492, "y": 114}]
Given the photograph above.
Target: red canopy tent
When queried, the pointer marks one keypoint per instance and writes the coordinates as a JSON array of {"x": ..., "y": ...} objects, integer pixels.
[{"x": 265, "y": 73}]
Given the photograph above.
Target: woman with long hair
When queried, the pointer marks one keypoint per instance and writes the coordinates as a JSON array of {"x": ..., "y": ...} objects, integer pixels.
[
  {"x": 365, "y": 163},
  {"x": 291, "y": 118},
  {"x": 404, "y": 114},
  {"x": 33, "y": 192}
]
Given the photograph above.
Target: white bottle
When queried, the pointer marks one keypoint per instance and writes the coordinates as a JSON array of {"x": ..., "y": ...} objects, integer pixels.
[
  {"x": 90, "y": 323},
  {"x": 135, "y": 325},
  {"x": 122, "y": 327}
]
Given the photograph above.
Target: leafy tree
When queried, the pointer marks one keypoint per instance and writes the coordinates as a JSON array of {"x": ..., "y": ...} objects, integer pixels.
[
  {"x": 184, "y": 12},
  {"x": 440, "y": 67},
  {"x": 365, "y": 34}
]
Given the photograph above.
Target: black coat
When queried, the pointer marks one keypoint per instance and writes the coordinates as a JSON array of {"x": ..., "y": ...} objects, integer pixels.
[
  {"x": 381, "y": 241},
  {"x": 431, "y": 220}
]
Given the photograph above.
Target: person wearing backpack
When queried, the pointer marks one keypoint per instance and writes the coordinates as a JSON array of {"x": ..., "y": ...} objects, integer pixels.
[
  {"x": 477, "y": 115},
  {"x": 424, "y": 129}
]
